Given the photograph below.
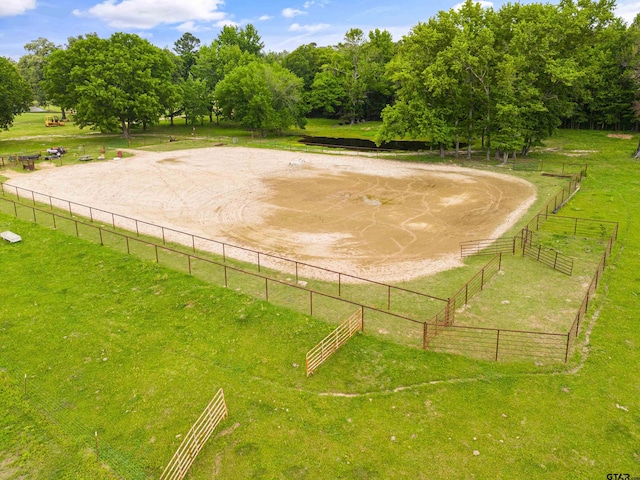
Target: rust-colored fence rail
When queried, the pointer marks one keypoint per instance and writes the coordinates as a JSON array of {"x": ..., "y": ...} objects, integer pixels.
[
  {"x": 496, "y": 344},
  {"x": 574, "y": 331},
  {"x": 549, "y": 257},
  {"x": 578, "y": 227},
  {"x": 490, "y": 246},
  {"x": 446, "y": 316},
  {"x": 259, "y": 260},
  {"x": 473, "y": 286},
  {"x": 332, "y": 342},
  {"x": 198, "y": 435},
  {"x": 253, "y": 283},
  {"x": 521, "y": 344}
]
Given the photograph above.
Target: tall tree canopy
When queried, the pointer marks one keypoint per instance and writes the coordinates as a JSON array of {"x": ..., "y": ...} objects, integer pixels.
[
  {"x": 15, "y": 93},
  {"x": 507, "y": 79},
  {"x": 263, "y": 97},
  {"x": 186, "y": 47},
  {"x": 32, "y": 65},
  {"x": 111, "y": 83},
  {"x": 351, "y": 83}
]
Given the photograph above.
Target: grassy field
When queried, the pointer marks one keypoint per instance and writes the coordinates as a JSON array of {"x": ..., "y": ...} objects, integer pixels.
[{"x": 134, "y": 351}]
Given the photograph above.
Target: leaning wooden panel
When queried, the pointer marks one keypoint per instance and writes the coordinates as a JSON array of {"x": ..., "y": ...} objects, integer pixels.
[
  {"x": 198, "y": 435},
  {"x": 332, "y": 342}
]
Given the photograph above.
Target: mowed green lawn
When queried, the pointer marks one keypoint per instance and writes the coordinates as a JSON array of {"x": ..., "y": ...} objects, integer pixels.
[{"x": 126, "y": 348}]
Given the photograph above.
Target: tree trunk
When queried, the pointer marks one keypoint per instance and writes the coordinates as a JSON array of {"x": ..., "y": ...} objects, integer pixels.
[
  {"x": 442, "y": 150},
  {"x": 171, "y": 117},
  {"x": 125, "y": 129},
  {"x": 63, "y": 114}
]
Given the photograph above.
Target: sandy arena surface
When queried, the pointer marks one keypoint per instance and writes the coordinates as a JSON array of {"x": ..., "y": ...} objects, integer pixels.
[{"x": 379, "y": 219}]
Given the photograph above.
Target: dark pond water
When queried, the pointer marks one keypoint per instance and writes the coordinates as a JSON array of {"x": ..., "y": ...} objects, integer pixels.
[{"x": 361, "y": 144}]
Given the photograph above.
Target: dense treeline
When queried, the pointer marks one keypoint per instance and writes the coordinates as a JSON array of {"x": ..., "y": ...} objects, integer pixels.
[{"x": 502, "y": 80}]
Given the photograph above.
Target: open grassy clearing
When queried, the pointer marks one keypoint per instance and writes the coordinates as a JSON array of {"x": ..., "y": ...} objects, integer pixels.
[{"x": 581, "y": 425}]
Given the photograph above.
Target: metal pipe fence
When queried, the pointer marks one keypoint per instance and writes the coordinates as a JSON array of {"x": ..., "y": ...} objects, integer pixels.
[
  {"x": 409, "y": 331},
  {"x": 260, "y": 260}
]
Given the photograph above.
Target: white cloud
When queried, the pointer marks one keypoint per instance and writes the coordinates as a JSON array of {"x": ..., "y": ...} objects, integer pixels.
[
  {"x": 628, "y": 10},
  {"x": 189, "y": 26},
  {"x": 483, "y": 4},
  {"x": 292, "y": 12},
  {"x": 10, "y": 8},
  {"x": 145, "y": 14},
  {"x": 296, "y": 27},
  {"x": 264, "y": 18},
  {"x": 320, "y": 3},
  {"x": 226, "y": 23}
]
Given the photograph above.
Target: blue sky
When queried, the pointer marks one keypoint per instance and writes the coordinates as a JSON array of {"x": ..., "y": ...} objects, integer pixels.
[{"x": 282, "y": 24}]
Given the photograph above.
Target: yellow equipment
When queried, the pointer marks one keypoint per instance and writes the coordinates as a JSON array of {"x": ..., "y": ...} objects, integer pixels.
[{"x": 53, "y": 121}]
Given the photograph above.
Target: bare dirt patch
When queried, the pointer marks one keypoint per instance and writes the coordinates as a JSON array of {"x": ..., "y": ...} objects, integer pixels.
[
  {"x": 379, "y": 219},
  {"x": 622, "y": 136}
]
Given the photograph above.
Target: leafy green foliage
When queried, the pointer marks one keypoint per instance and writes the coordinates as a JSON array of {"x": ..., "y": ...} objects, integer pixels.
[
  {"x": 15, "y": 93},
  {"x": 32, "y": 64},
  {"x": 262, "y": 97},
  {"x": 112, "y": 83}
]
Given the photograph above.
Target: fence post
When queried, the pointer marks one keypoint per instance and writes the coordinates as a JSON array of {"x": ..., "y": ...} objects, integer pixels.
[
  {"x": 539, "y": 249},
  {"x": 575, "y": 228},
  {"x": 482, "y": 280},
  {"x": 424, "y": 336},
  {"x": 555, "y": 261},
  {"x": 500, "y": 262},
  {"x": 258, "y": 262},
  {"x": 189, "y": 261},
  {"x": 157, "y": 260},
  {"x": 311, "y": 303},
  {"x": 266, "y": 289},
  {"x": 226, "y": 284},
  {"x": 99, "y": 230},
  {"x": 389, "y": 297},
  {"x": 566, "y": 355},
  {"x": 97, "y": 454},
  {"x": 497, "y": 344},
  {"x": 77, "y": 233}
]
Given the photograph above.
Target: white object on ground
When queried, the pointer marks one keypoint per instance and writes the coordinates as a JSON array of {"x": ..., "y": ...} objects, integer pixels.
[{"x": 11, "y": 237}]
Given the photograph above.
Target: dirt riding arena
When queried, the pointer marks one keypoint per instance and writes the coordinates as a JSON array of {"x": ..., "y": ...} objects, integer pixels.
[{"x": 379, "y": 219}]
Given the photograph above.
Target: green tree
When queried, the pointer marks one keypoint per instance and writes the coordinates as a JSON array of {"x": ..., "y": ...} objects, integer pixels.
[
  {"x": 111, "y": 83},
  {"x": 262, "y": 97},
  {"x": 32, "y": 65},
  {"x": 15, "y": 93},
  {"x": 195, "y": 100},
  {"x": 186, "y": 47},
  {"x": 247, "y": 38},
  {"x": 306, "y": 62}
]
